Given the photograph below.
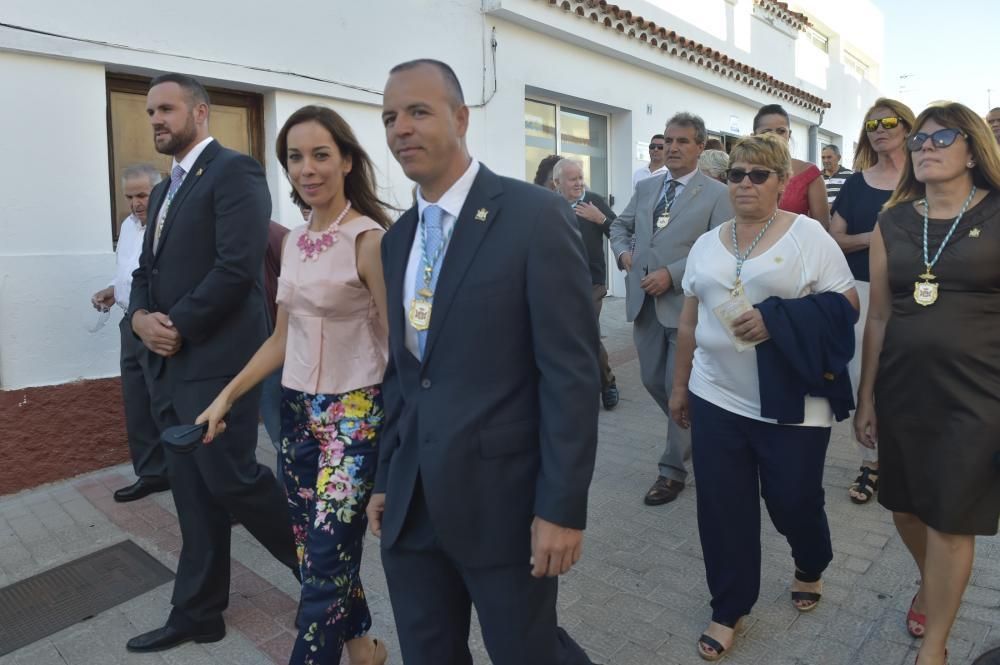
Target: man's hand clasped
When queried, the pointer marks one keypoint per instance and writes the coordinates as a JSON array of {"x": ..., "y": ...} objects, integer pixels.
[
  {"x": 157, "y": 332},
  {"x": 657, "y": 282}
]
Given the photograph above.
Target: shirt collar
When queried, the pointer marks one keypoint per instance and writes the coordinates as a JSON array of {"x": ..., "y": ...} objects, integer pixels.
[
  {"x": 684, "y": 179},
  {"x": 135, "y": 222},
  {"x": 192, "y": 156},
  {"x": 452, "y": 200}
]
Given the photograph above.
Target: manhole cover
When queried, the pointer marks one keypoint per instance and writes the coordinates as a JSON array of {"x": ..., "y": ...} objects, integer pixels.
[{"x": 39, "y": 606}]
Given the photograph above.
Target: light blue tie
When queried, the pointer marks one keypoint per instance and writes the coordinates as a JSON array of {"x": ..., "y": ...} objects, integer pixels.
[{"x": 433, "y": 238}]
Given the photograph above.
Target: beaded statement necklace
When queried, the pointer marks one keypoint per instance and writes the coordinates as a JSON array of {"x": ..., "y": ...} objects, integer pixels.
[
  {"x": 925, "y": 293},
  {"x": 310, "y": 249}
]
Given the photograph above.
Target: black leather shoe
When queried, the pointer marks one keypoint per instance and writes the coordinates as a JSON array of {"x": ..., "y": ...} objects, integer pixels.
[
  {"x": 143, "y": 487},
  {"x": 169, "y": 637},
  {"x": 609, "y": 396},
  {"x": 664, "y": 490}
]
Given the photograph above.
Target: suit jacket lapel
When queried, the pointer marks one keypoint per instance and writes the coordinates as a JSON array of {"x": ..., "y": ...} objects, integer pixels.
[
  {"x": 157, "y": 197},
  {"x": 479, "y": 212},
  {"x": 405, "y": 228},
  {"x": 190, "y": 182},
  {"x": 688, "y": 194}
]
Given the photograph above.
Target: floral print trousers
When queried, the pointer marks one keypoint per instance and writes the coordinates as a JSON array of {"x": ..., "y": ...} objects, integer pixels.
[{"x": 328, "y": 447}]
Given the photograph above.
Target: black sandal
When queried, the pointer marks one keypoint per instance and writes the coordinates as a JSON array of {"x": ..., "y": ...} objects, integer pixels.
[
  {"x": 865, "y": 484},
  {"x": 811, "y": 598},
  {"x": 710, "y": 642}
]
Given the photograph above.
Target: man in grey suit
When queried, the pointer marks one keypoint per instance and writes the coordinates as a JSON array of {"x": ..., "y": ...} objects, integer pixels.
[{"x": 651, "y": 239}]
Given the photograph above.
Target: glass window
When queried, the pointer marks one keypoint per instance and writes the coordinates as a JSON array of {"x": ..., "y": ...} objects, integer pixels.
[
  {"x": 539, "y": 135},
  {"x": 555, "y": 129}
]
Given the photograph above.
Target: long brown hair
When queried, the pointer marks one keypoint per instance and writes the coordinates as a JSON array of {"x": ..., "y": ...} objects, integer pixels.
[
  {"x": 359, "y": 184},
  {"x": 866, "y": 157},
  {"x": 982, "y": 144}
]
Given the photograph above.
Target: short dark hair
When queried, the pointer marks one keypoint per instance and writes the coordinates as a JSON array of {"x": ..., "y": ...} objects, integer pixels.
[
  {"x": 831, "y": 147},
  {"x": 544, "y": 171},
  {"x": 658, "y": 136},
  {"x": 714, "y": 144},
  {"x": 993, "y": 109},
  {"x": 447, "y": 73},
  {"x": 685, "y": 119},
  {"x": 195, "y": 90},
  {"x": 770, "y": 109}
]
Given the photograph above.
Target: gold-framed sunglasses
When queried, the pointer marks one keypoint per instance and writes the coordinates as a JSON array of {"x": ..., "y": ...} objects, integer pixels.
[{"x": 887, "y": 123}]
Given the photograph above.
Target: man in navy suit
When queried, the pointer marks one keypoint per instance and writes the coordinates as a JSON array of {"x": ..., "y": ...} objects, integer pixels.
[
  {"x": 197, "y": 304},
  {"x": 490, "y": 393}
]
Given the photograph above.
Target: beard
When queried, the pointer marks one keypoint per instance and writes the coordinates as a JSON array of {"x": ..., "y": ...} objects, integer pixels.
[{"x": 178, "y": 141}]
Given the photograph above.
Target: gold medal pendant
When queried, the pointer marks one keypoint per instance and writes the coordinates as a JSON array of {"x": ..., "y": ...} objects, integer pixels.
[
  {"x": 420, "y": 314},
  {"x": 663, "y": 220},
  {"x": 737, "y": 289},
  {"x": 925, "y": 293}
]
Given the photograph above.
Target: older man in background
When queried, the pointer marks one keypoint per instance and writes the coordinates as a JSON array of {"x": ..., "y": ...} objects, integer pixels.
[
  {"x": 993, "y": 120},
  {"x": 833, "y": 173},
  {"x": 594, "y": 216},
  {"x": 143, "y": 436}
]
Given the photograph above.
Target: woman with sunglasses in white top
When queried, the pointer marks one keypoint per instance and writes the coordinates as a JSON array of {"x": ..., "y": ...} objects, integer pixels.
[
  {"x": 930, "y": 376},
  {"x": 743, "y": 452},
  {"x": 878, "y": 164}
]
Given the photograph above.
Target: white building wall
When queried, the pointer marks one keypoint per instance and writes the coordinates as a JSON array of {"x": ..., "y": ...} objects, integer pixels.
[{"x": 46, "y": 282}]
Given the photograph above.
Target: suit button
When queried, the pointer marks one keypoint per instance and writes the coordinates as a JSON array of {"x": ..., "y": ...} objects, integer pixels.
[
  {"x": 425, "y": 384},
  {"x": 156, "y": 271}
]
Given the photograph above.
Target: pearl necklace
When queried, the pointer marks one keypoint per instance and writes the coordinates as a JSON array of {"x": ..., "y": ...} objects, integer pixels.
[{"x": 311, "y": 249}]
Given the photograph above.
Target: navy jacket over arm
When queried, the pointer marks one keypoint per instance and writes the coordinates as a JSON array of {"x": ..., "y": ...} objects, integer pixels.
[{"x": 812, "y": 341}]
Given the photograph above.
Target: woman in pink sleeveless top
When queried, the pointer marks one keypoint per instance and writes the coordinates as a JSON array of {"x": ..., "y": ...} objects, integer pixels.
[
  {"x": 331, "y": 335},
  {"x": 805, "y": 191}
]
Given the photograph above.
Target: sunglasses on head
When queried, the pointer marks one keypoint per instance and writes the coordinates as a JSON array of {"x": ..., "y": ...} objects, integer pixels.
[
  {"x": 887, "y": 123},
  {"x": 942, "y": 138},
  {"x": 656, "y": 146},
  {"x": 757, "y": 176}
]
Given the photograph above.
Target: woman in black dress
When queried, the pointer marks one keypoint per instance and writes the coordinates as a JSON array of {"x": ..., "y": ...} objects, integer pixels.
[{"x": 930, "y": 378}]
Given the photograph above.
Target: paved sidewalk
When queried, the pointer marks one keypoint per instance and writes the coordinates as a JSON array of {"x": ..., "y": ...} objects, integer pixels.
[{"x": 638, "y": 597}]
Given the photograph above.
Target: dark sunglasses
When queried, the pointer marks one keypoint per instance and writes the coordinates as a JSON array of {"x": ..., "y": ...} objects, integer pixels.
[
  {"x": 656, "y": 146},
  {"x": 757, "y": 176},
  {"x": 887, "y": 123},
  {"x": 942, "y": 138}
]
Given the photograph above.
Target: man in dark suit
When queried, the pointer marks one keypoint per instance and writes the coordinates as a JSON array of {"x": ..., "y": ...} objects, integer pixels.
[
  {"x": 490, "y": 432},
  {"x": 594, "y": 217},
  {"x": 198, "y": 306}
]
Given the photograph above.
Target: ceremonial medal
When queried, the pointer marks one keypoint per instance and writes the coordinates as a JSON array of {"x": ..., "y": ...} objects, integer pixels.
[
  {"x": 663, "y": 220},
  {"x": 420, "y": 314},
  {"x": 737, "y": 289},
  {"x": 925, "y": 293}
]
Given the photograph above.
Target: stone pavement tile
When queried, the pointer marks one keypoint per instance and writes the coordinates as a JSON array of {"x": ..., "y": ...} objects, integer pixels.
[
  {"x": 237, "y": 649},
  {"x": 40, "y": 654},
  {"x": 189, "y": 654},
  {"x": 85, "y": 647},
  {"x": 279, "y": 647},
  {"x": 256, "y": 625}
]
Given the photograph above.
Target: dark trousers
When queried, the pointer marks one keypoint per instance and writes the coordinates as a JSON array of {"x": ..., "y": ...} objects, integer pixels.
[
  {"x": 432, "y": 597},
  {"x": 738, "y": 460},
  {"x": 210, "y": 484},
  {"x": 607, "y": 376},
  {"x": 143, "y": 435}
]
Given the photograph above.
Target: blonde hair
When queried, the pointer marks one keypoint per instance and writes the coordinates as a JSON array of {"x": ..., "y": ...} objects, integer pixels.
[
  {"x": 865, "y": 157},
  {"x": 982, "y": 145},
  {"x": 767, "y": 150}
]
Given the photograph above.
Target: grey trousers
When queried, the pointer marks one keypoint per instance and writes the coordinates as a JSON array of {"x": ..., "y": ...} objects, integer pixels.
[{"x": 657, "y": 348}]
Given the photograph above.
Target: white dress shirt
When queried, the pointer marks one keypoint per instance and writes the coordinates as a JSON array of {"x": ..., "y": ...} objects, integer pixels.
[
  {"x": 186, "y": 164},
  {"x": 643, "y": 172},
  {"x": 127, "y": 258},
  {"x": 451, "y": 203}
]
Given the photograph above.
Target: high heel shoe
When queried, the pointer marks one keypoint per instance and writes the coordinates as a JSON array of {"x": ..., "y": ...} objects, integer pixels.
[
  {"x": 718, "y": 652},
  {"x": 914, "y": 617}
]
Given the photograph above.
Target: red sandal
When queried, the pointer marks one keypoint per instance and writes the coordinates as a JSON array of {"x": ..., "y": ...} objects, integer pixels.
[{"x": 914, "y": 617}]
